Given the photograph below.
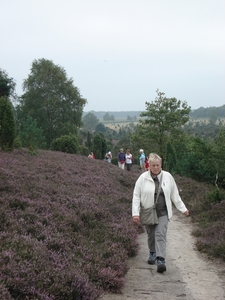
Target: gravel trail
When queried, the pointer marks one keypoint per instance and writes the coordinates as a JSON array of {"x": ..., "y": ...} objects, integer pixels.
[{"x": 190, "y": 275}]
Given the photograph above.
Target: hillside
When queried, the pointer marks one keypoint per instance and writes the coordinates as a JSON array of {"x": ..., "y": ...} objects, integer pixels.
[
  {"x": 116, "y": 114},
  {"x": 65, "y": 225},
  {"x": 201, "y": 112}
]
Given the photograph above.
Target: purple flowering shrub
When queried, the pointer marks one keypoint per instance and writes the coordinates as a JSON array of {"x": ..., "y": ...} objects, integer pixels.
[
  {"x": 66, "y": 230},
  {"x": 211, "y": 237},
  {"x": 207, "y": 214}
]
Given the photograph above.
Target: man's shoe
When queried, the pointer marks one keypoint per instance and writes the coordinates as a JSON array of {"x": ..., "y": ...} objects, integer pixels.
[
  {"x": 161, "y": 267},
  {"x": 152, "y": 258}
]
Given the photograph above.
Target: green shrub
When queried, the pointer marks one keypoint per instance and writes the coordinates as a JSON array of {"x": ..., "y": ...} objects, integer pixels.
[
  {"x": 66, "y": 143},
  {"x": 31, "y": 136},
  {"x": 215, "y": 196},
  {"x": 114, "y": 161},
  {"x": 17, "y": 143},
  {"x": 84, "y": 150},
  {"x": 7, "y": 124},
  {"x": 219, "y": 250}
]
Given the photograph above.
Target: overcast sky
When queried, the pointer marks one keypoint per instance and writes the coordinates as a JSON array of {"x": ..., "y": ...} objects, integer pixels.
[{"x": 119, "y": 52}]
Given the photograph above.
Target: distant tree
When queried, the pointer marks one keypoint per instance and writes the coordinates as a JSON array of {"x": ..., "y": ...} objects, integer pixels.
[
  {"x": 100, "y": 128},
  {"x": 7, "y": 121},
  {"x": 213, "y": 115},
  {"x": 163, "y": 118},
  {"x": 170, "y": 158},
  {"x": 32, "y": 136},
  {"x": 104, "y": 145},
  {"x": 83, "y": 150},
  {"x": 90, "y": 121},
  {"x": 129, "y": 118},
  {"x": 194, "y": 158},
  {"x": 52, "y": 100},
  {"x": 7, "y": 84},
  {"x": 125, "y": 142},
  {"x": 106, "y": 117},
  {"x": 203, "y": 130},
  {"x": 200, "y": 153},
  {"x": 7, "y": 124},
  {"x": 219, "y": 156},
  {"x": 89, "y": 142},
  {"x": 99, "y": 146}
]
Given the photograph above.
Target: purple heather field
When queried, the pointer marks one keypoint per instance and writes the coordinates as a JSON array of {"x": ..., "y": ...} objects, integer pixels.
[{"x": 66, "y": 230}]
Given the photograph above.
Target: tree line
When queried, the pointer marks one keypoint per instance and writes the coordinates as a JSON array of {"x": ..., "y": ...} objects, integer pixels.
[
  {"x": 211, "y": 113},
  {"x": 49, "y": 115}
]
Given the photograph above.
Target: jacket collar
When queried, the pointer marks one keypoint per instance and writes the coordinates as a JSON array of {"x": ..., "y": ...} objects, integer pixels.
[{"x": 149, "y": 176}]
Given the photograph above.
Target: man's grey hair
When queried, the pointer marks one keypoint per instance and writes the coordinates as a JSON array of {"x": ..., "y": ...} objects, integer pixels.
[{"x": 153, "y": 157}]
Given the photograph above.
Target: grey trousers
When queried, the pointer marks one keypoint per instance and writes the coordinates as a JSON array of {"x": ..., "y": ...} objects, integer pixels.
[{"x": 157, "y": 236}]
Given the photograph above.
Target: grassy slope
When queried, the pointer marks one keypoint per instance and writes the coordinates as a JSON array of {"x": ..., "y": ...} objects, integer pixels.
[{"x": 65, "y": 225}]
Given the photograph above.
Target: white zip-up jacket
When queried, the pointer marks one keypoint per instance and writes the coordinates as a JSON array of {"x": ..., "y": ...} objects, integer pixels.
[{"x": 144, "y": 193}]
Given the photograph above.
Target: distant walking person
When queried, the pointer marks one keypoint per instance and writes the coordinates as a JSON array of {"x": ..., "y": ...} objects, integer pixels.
[
  {"x": 128, "y": 161},
  {"x": 91, "y": 155},
  {"x": 142, "y": 160},
  {"x": 108, "y": 157},
  {"x": 121, "y": 159}
]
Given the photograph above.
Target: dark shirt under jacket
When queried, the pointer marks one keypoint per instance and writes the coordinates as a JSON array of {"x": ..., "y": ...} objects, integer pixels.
[{"x": 161, "y": 204}]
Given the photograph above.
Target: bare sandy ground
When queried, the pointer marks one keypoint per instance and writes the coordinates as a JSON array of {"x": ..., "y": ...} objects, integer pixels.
[{"x": 190, "y": 275}]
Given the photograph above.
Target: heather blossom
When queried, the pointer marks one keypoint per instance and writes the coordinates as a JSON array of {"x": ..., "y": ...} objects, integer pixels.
[{"x": 65, "y": 229}]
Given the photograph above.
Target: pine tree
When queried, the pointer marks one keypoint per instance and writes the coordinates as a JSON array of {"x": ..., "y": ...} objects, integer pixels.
[{"x": 7, "y": 124}]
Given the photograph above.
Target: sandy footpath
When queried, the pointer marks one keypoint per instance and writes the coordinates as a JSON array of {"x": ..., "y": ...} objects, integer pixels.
[{"x": 190, "y": 275}]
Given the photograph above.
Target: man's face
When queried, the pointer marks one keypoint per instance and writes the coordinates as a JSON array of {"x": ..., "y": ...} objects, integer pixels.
[{"x": 155, "y": 167}]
